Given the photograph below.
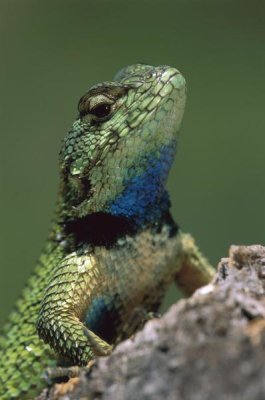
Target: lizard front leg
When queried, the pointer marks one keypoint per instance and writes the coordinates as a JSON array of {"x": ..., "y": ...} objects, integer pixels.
[
  {"x": 192, "y": 268},
  {"x": 75, "y": 282}
]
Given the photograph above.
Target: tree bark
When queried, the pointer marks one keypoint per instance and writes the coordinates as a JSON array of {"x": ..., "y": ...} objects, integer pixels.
[{"x": 210, "y": 346}]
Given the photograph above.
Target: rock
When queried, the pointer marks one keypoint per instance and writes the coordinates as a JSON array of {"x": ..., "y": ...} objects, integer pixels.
[{"x": 210, "y": 346}]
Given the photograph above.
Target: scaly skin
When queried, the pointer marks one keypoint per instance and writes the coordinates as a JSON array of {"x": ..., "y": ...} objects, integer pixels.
[{"x": 114, "y": 248}]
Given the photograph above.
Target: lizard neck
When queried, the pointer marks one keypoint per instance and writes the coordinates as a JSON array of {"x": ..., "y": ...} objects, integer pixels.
[
  {"x": 143, "y": 204},
  {"x": 101, "y": 229},
  {"x": 144, "y": 199}
]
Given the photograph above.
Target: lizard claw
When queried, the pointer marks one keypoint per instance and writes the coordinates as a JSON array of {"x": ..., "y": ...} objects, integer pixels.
[{"x": 63, "y": 374}]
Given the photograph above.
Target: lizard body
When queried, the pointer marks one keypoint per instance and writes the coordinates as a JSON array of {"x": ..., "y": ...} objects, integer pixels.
[{"x": 114, "y": 248}]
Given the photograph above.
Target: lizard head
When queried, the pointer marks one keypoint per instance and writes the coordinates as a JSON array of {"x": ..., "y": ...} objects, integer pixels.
[{"x": 117, "y": 155}]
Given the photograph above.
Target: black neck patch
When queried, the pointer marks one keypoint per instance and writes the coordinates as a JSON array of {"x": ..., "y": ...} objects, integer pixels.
[
  {"x": 103, "y": 229},
  {"x": 99, "y": 229}
]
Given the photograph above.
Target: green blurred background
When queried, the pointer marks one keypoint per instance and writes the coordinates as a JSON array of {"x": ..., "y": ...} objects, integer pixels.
[{"x": 52, "y": 51}]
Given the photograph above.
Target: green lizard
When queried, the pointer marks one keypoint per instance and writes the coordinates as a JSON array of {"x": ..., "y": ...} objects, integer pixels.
[{"x": 114, "y": 248}]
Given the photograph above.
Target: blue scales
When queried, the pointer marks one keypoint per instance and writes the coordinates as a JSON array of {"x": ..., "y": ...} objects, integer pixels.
[{"x": 144, "y": 198}]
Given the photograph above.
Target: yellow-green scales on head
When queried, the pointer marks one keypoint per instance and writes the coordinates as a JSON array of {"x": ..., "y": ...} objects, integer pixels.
[{"x": 114, "y": 248}]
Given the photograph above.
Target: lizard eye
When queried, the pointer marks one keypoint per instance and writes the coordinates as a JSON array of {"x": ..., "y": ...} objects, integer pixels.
[{"x": 101, "y": 111}]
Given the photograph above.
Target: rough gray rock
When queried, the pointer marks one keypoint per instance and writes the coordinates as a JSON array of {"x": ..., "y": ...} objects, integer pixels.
[{"x": 209, "y": 346}]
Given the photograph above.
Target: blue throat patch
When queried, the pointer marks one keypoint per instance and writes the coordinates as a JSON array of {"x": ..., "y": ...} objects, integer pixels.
[{"x": 144, "y": 198}]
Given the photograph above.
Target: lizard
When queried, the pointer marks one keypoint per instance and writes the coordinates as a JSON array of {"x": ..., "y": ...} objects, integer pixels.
[{"x": 113, "y": 248}]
